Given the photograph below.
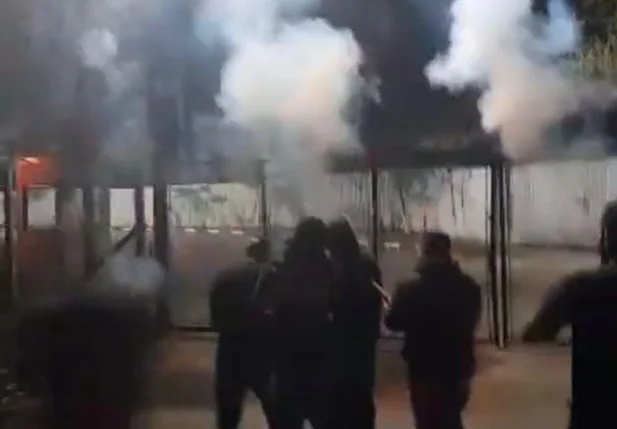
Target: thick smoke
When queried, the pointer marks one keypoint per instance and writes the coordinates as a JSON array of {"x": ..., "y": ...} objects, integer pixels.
[
  {"x": 292, "y": 84},
  {"x": 133, "y": 275},
  {"x": 521, "y": 63},
  {"x": 68, "y": 37},
  {"x": 122, "y": 111},
  {"x": 98, "y": 48}
]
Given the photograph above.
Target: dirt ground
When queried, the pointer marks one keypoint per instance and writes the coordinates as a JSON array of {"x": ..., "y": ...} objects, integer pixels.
[
  {"x": 521, "y": 388},
  {"x": 517, "y": 389}
]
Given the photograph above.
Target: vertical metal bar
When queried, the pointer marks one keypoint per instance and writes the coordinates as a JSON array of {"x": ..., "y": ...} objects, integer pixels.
[
  {"x": 25, "y": 208},
  {"x": 10, "y": 236},
  {"x": 139, "y": 203},
  {"x": 263, "y": 196},
  {"x": 509, "y": 220},
  {"x": 103, "y": 221},
  {"x": 89, "y": 230},
  {"x": 375, "y": 224},
  {"x": 59, "y": 197},
  {"x": 492, "y": 257},
  {"x": 487, "y": 244},
  {"x": 504, "y": 290},
  {"x": 161, "y": 224},
  {"x": 161, "y": 248}
]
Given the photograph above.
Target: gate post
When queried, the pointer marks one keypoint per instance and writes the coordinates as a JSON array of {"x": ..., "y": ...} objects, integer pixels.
[
  {"x": 498, "y": 256},
  {"x": 11, "y": 295},
  {"x": 375, "y": 213},
  {"x": 264, "y": 215},
  {"x": 492, "y": 257},
  {"x": 504, "y": 252},
  {"x": 139, "y": 205}
]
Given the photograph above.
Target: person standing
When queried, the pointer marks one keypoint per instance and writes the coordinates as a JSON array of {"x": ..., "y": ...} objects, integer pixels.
[
  {"x": 97, "y": 348},
  {"x": 244, "y": 321},
  {"x": 356, "y": 327},
  {"x": 587, "y": 301},
  {"x": 438, "y": 311},
  {"x": 304, "y": 322}
]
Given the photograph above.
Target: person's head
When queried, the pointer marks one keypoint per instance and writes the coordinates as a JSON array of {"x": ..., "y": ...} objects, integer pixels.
[
  {"x": 342, "y": 239},
  {"x": 608, "y": 233},
  {"x": 436, "y": 246},
  {"x": 259, "y": 251},
  {"x": 309, "y": 237}
]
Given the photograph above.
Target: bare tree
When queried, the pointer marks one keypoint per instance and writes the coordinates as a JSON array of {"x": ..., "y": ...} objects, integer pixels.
[
  {"x": 412, "y": 186},
  {"x": 198, "y": 197}
]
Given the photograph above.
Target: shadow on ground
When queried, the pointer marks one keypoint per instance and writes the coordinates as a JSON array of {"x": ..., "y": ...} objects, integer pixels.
[
  {"x": 514, "y": 389},
  {"x": 183, "y": 389}
]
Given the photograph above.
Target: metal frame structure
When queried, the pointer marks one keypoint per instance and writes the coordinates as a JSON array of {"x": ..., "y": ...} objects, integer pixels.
[
  {"x": 171, "y": 126},
  {"x": 497, "y": 240}
]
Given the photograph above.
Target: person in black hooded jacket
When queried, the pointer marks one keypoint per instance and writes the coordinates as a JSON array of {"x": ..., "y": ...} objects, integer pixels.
[
  {"x": 305, "y": 283},
  {"x": 242, "y": 313},
  {"x": 438, "y": 311},
  {"x": 356, "y": 308},
  {"x": 587, "y": 302}
]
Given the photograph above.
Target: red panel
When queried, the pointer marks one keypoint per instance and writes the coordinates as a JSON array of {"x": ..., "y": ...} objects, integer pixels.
[{"x": 36, "y": 171}]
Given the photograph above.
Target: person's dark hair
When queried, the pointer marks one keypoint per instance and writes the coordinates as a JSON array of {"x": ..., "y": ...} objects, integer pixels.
[
  {"x": 436, "y": 243},
  {"x": 342, "y": 240},
  {"x": 309, "y": 238}
]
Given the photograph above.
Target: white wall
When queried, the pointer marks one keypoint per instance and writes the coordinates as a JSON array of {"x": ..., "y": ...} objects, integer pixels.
[{"x": 552, "y": 203}]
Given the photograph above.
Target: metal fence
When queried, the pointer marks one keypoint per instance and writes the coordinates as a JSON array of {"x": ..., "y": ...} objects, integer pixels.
[{"x": 553, "y": 205}]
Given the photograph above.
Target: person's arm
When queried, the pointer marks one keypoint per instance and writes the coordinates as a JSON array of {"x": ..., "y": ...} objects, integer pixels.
[
  {"x": 553, "y": 315},
  {"x": 397, "y": 315}
]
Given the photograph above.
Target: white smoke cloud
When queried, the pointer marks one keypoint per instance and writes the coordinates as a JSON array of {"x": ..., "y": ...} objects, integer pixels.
[
  {"x": 132, "y": 275},
  {"x": 301, "y": 79},
  {"x": 292, "y": 85},
  {"x": 520, "y": 63},
  {"x": 98, "y": 48}
]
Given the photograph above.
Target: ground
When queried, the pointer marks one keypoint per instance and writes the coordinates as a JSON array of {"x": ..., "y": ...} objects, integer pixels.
[
  {"x": 521, "y": 388},
  {"x": 515, "y": 389},
  {"x": 518, "y": 389}
]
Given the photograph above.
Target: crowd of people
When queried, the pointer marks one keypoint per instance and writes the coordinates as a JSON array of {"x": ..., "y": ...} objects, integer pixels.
[{"x": 301, "y": 333}]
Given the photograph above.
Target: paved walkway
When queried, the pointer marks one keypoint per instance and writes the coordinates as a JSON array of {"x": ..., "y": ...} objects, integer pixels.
[{"x": 517, "y": 389}]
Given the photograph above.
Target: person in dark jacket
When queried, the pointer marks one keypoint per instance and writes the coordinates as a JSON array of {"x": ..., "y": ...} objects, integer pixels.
[
  {"x": 438, "y": 311},
  {"x": 243, "y": 316},
  {"x": 357, "y": 323},
  {"x": 90, "y": 353},
  {"x": 587, "y": 301},
  {"x": 304, "y": 323},
  {"x": 610, "y": 212}
]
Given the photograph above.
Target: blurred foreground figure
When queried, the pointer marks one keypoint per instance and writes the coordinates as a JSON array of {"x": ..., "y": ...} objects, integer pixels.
[
  {"x": 610, "y": 213},
  {"x": 242, "y": 313},
  {"x": 93, "y": 351},
  {"x": 357, "y": 322},
  {"x": 438, "y": 311},
  {"x": 305, "y": 282},
  {"x": 587, "y": 301}
]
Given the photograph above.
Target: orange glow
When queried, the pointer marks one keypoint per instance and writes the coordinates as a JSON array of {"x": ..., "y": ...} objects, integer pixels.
[
  {"x": 35, "y": 171},
  {"x": 30, "y": 160}
]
